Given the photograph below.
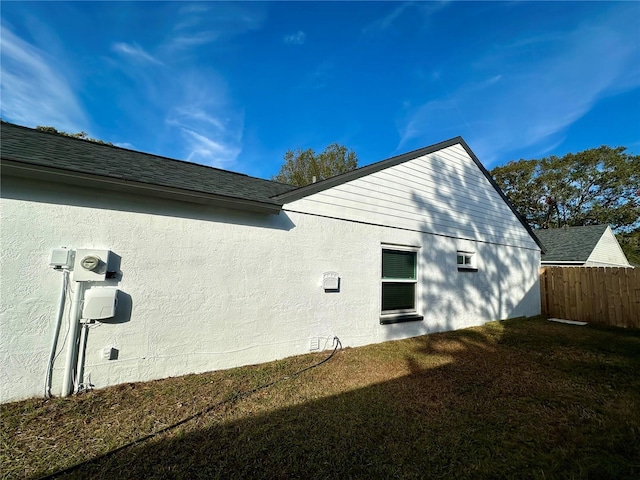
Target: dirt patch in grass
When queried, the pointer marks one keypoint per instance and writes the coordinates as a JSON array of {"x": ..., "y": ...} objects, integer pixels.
[{"x": 513, "y": 399}]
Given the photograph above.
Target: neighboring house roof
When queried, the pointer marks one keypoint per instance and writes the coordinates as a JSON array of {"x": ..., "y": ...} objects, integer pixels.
[
  {"x": 29, "y": 152},
  {"x": 578, "y": 245}
]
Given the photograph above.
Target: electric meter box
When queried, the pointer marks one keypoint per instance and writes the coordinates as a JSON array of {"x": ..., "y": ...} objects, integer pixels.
[
  {"x": 100, "y": 303},
  {"x": 90, "y": 265}
]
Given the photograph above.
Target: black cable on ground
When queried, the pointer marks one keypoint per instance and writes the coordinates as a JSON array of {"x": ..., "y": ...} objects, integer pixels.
[{"x": 234, "y": 398}]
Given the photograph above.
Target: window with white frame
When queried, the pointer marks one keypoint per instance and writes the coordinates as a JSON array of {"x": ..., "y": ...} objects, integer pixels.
[
  {"x": 466, "y": 260},
  {"x": 399, "y": 284}
]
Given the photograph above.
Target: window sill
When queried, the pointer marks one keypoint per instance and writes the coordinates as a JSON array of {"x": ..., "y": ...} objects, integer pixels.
[
  {"x": 467, "y": 269},
  {"x": 389, "y": 319}
]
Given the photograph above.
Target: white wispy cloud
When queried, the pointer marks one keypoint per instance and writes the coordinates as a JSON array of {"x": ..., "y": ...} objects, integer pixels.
[
  {"x": 211, "y": 126},
  {"x": 200, "y": 106},
  {"x": 423, "y": 9},
  {"x": 199, "y": 25},
  {"x": 136, "y": 52},
  {"x": 297, "y": 38},
  {"x": 192, "y": 40},
  {"x": 532, "y": 103},
  {"x": 34, "y": 88},
  {"x": 384, "y": 22},
  {"x": 208, "y": 151}
]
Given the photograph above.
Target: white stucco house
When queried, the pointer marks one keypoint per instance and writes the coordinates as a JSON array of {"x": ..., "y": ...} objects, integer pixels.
[{"x": 215, "y": 269}]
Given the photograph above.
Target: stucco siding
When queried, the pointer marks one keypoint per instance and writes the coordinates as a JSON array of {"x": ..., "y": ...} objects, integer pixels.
[
  {"x": 441, "y": 193},
  {"x": 209, "y": 288},
  {"x": 607, "y": 252}
]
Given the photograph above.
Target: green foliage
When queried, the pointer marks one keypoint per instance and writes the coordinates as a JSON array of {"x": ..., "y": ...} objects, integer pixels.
[
  {"x": 80, "y": 135},
  {"x": 596, "y": 186},
  {"x": 301, "y": 166},
  {"x": 630, "y": 243}
]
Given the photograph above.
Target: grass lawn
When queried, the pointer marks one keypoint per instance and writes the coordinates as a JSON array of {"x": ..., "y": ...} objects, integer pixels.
[{"x": 514, "y": 399}]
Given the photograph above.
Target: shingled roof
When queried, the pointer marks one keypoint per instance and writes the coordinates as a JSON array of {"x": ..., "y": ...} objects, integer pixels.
[
  {"x": 570, "y": 244},
  {"x": 28, "y": 151}
]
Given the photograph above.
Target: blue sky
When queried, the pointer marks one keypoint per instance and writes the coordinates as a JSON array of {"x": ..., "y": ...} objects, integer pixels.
[{"x": 234, "y": 85}]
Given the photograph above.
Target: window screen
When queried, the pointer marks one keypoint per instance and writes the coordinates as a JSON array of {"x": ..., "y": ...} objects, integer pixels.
[
  {"x": 398, "y": 264},
  {"x": 398, "y": 296},
  {"x": 398, "y": 281}
]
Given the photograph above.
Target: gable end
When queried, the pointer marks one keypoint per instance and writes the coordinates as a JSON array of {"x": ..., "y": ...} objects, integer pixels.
[{"x": 328, "y": 183}]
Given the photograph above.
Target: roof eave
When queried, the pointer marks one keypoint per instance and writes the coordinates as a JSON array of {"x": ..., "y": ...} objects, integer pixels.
[{"x": 70, "y": 177}]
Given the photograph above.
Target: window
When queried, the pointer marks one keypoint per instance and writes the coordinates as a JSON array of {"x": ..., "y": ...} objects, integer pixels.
[
  {"x": 399, "y": 284},
  {"x": 466, "y": 261}
]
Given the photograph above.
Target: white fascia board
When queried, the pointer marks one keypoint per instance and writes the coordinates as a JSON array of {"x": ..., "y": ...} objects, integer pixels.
[{"x": 550, "y": 263}]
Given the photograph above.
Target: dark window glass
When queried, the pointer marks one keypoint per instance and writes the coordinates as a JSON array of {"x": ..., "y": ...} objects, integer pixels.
[
  {"x": 398, "y": 264},
  {"x": 398, "y": 296}
]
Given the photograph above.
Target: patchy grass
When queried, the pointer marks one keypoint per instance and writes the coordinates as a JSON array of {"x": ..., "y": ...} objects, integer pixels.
[{"x": 513, "y": 399}]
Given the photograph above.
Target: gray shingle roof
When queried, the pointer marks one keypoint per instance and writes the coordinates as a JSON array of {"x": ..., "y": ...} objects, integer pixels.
[
  {"x": 570, "y": 244},
  {"x": 29, "y": 146}
]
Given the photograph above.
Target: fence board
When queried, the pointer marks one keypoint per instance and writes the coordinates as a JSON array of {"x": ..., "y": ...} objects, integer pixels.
[
  {"x": 543, "y": 290},
  {"x": 609, "y": 296}
]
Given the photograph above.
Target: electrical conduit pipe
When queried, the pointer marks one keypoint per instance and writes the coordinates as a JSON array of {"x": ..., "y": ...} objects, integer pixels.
[
  {"x": 72, "y": 349},
  {"x": 81, "y": 352},
  {"x": 54, "y": 343}
]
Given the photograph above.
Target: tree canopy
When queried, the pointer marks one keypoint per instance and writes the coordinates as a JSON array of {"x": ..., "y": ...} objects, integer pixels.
[
  {"x": 301, "y": 166},
  {"x": 595, "y": 186}
]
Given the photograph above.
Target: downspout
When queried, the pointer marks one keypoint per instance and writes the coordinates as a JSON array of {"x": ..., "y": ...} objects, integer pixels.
[
  {"x": 72, "y": 348},
  {"x": 54, "y": 343}
]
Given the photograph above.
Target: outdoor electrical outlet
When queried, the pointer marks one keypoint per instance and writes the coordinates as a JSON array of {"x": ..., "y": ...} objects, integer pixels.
[{"x": 109, "y": 353}]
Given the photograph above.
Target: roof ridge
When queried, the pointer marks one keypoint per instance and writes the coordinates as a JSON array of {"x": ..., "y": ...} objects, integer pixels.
[{"x": 566, "y": 227}]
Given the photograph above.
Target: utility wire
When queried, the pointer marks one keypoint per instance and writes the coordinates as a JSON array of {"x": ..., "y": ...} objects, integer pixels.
[{"x": 232, "y": 399}]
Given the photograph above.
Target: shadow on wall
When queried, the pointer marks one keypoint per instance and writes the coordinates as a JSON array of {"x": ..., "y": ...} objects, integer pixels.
[
  {"x": 439, "y": 419},
  {"x": 505, "y": 284},
  {"x": 43, "y": 192}
]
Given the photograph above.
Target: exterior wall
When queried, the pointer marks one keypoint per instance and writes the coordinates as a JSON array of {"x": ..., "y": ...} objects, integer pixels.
[
  {"x": 607, "y": 252},
  {"x": 211, "y": 289},
  {"x": 443, "y": 193}
]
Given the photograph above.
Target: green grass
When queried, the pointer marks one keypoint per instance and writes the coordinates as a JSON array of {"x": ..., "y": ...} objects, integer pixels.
[{"x": 514, "y": 399}]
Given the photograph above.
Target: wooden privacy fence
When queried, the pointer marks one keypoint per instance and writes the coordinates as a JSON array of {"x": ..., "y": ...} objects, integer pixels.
[{"x": 609, "y": 296}]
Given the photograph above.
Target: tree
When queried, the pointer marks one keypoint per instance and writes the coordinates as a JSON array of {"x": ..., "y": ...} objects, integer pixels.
[
  {"x": 80, "y": 135},
  {"x": 302, "y": 166},
  {"x": 596, "y": 186},
  {"x": 630, "y": 243}
]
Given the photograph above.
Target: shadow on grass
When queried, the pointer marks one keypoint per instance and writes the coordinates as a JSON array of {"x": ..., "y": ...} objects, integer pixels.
[{"x": 471, "y": 404}]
